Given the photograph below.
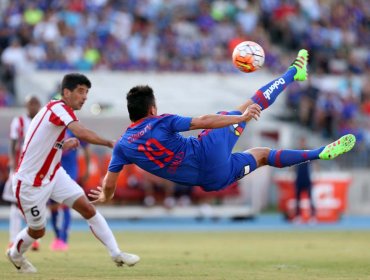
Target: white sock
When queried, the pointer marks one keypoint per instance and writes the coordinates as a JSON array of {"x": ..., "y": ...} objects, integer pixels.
[
  {"x": 15, "y": 222},
  {"x": 21, "y": 244},
  {"x": 101, "y": 230}
]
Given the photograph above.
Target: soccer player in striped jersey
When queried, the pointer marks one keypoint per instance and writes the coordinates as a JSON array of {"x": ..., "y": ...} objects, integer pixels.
[{"x": 40, "y": 177}]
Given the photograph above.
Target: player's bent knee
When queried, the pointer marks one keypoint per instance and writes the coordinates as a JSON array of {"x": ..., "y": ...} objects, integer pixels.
[
  {"x": 36, "y": 233},
  {"x": 84, "y": 207},
  {"x": 260, "y": 154}
]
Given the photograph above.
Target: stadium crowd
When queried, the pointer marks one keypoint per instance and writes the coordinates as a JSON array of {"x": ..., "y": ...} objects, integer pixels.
[
  {"x": 180, "y": 35},
  {"x": 198, "y": 36}
]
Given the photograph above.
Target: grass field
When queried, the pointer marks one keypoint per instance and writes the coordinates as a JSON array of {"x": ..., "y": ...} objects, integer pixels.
[{"x": 202, "y": 255}]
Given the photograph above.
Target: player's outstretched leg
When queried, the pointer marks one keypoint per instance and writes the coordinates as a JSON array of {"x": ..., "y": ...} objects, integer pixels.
[
  {"x": 267, "y": 94},
  {"x": 101, "y": 230},
  {"x": 99, "y": 227},
  {"x": 283, "y": 158},
  {"x": 338, "y": 147}
]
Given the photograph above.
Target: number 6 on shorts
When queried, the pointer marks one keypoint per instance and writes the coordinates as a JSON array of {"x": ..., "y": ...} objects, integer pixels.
[{"x": 34, "y": 211}]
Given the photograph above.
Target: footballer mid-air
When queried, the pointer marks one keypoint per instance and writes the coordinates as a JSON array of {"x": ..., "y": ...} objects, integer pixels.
[{"x": 153, "y": 141}]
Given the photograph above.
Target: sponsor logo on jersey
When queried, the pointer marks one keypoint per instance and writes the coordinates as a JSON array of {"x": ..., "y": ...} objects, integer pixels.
[
  {"x": 274, "y": 86},
  {"x": 236, "y": 129},
  {"x": 139, "y": 134},
  {"x": 177, "y": 160},
  {"x": 58, "y": 145}
]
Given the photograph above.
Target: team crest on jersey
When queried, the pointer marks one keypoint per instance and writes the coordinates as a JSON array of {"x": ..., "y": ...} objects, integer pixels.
[{"x": 236, "y": 129}]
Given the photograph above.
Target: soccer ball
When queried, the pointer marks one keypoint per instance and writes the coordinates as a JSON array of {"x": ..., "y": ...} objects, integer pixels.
[{"x": 248, "y": 56}]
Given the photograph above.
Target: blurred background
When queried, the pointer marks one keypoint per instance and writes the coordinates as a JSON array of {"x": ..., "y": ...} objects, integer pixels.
[{"x": 183, "y": 50}]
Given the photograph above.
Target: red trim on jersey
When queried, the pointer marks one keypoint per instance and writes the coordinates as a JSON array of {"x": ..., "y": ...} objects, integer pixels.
[
  {"x": 148, "y": 117},
  {"x": 17, "y": 191},
  {"x": 20, "y": 139},
  {"x": 137, "y": 122},
  {"x": 29, "y": 141},
  {"x": 52, "y": 103},
  {"x": 70, "y": 111},
  {"x": 49, "y": 159},
  {"x": 55, "y": 171},
  {"x": 21, "y": 126},
  {"x": 54, "y": 119}
]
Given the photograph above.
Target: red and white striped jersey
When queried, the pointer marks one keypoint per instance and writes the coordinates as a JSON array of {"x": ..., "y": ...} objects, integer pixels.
[
  {"x": 18, "y": 130},
  {"x": 42, "y": 149}
]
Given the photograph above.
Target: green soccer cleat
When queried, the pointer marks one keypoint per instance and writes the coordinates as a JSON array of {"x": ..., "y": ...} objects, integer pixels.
[
  {"x": 338, "y": 147},
  {"x": 300, "y": 63}
]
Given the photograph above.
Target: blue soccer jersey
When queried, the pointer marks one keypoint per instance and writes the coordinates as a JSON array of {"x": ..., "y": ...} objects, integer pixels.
[
  {"x": 70, "y": 158},
  {"x": 155, "y": 145}
]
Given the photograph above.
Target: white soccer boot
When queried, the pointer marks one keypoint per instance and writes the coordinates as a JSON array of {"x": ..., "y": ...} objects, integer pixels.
[
  {"x": 21, "y": 264},
  {"x": 125, "y": 258}
]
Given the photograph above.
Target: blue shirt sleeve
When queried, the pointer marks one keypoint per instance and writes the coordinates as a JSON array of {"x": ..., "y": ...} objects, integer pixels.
[
  {"x": 177, "y": 123},
  {"x": 118, "y": 159}
]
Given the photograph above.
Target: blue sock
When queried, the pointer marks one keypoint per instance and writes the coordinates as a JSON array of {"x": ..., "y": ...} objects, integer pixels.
[
  {"x": 267, "y": 94},
  {"x": 54, "y": 222},
  {"x": 283, "y": 158},
  {"x": 65, "y": 225}
]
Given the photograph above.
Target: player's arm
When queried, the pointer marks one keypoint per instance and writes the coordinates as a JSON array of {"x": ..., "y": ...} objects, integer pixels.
[
  {"x": 106, "y": 192},
  {"x": 88, "y": 135},
  {"x": 217, "y": 121},
  {"x": 12, "y": 152}
]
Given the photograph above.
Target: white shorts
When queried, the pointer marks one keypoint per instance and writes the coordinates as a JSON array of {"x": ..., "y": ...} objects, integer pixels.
[{"x": 33, "y": 200}]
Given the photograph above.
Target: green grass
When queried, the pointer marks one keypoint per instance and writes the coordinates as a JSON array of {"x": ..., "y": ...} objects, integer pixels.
[{"x": 207, "y": 256}]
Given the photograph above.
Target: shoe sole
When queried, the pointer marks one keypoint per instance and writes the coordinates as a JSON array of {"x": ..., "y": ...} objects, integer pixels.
[
  {"x": 123, "y": 263},
  {"x": 346, "y": 143}
]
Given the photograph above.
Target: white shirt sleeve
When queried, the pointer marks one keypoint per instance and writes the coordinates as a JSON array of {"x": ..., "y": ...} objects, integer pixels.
[{"x": 62, "y": 115}]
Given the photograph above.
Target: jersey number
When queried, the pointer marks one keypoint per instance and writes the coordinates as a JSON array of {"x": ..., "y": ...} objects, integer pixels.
[
  {"x": 153, "y": 149},
  {"x": 34, "y": 211}
]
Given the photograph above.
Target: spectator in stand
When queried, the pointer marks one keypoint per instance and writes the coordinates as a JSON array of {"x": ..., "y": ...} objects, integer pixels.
[
  {"x": 6, "y": 99},
  {"x": 328, "y": 108},
  {"x": 303, "y": 183}
]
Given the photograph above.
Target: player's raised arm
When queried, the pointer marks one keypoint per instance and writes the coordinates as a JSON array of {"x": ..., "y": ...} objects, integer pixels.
[
  {"x": 217, "y": 121},
  {"x": 83, "y": 133},
  {"x": 106, "y": 192}
]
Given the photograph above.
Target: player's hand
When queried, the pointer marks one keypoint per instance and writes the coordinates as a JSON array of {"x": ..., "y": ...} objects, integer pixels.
[
  {"x": 97, "y": 195},
  {"x": 111, "y": 143},
  {"x": 71, "y": 143},
  {"x": 252, "y": 112}
]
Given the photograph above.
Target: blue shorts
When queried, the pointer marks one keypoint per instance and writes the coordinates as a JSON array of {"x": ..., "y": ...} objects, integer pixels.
[{"x": 219, "y": 166}]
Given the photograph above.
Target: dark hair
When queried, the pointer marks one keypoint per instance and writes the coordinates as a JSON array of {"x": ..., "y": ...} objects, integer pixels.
[
  {"x": 72, "y": 80},
  {"x": 139, "y": 101}
]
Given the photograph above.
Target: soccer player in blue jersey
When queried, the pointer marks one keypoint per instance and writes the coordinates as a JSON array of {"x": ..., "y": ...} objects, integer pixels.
[{"x": 153, "y": 142}]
